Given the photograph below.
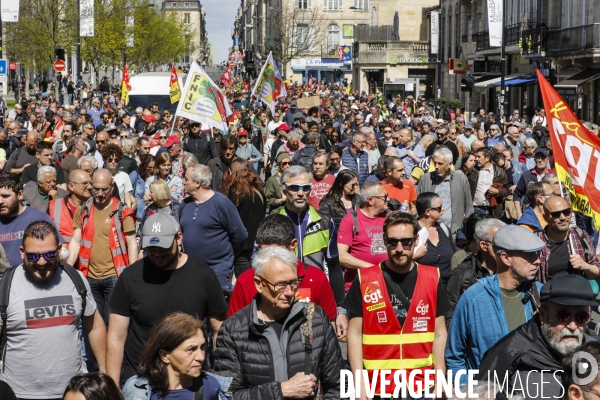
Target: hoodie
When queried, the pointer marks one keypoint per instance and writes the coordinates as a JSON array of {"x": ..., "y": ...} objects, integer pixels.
[{"x": 478, "y": 323}]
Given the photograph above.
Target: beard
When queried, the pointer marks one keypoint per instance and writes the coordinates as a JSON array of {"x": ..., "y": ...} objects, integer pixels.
[
  {"x": 11, "y": 209},
  {"x": 555, "y": 339},
  {"x": 165, "y": 262},
  {"x": 400, "y": 260},
  {"x": 52, "y": 267}
]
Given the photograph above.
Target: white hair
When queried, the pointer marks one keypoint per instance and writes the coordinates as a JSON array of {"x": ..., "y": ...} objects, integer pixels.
[
  {"x": 267, "y": 254},
  {"x": 91, "y": 159},
  {"x": 444, "y": 152},
  {"x": 127, "y": 145},
  {"x": 43, "y": 170},
  {"x": 482, "y": 228},
  {"x": 531, "y": 143},
  {"x": 201, "y": 174},
  {"x": 392, "y": 151}
]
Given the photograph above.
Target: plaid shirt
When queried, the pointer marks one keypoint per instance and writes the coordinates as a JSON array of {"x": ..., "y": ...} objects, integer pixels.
[{"x": 588, "y": 255}]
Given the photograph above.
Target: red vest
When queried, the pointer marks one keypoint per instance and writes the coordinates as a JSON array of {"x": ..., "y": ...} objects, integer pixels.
[
  {"x": 386, "y": 344},
  {"x": 116, "y": 239},
  {"x": 61, "y": 215}
]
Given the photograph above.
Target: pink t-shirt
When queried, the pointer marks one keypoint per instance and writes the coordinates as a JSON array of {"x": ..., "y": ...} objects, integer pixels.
[
  {"x": 319, "y": 190},
  {"x": 367, "y": 246}
]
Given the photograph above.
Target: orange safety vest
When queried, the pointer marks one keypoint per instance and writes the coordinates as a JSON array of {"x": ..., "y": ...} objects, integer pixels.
[
  {"x": 116, "y": 239},
  {"x": 387, "y": 345},
  {"x": 62, "y": 217}
]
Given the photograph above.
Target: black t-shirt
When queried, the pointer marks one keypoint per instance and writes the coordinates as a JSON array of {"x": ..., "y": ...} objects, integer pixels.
[
  {"x": 407, "y": 283},
  {"x": 90, "y": 145},
  {"x": 440, "y": 256},
  {"x": 146, "y": 294},
  {"x": 6, "y": 393},
  {"x": 558, "y": 262},
  {"x": 30, "y": 174}
]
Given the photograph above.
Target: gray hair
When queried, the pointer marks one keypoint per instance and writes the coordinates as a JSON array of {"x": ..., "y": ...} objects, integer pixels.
[
  {"x": 201, "y": 174},
  {"x": 43, "y": 170},
  {"x": 66, "y": 114},
  {"x": 482, "y": 228},
  {"x": 531, "y": 143},
  {"x": 267, "y": 254},
  {"x": 127, "y": 145},
  {"x": 392, "y": 151},
  {"x": 473, "y": 120},
  {"x": 188, "y": 160},
  {"x": 443, "y": 152},
  {"x": 295, "y": 134},
  {"x": 369, "y": 189},
  {"x": 91, "y": 159},
  {"x": 548, "y": 178},
  {"x": 500, "y": 146},
  {"x": 355, "y": 135},
  {"x": 294, "y": 171},
  {"x": 512, "y": 129}
]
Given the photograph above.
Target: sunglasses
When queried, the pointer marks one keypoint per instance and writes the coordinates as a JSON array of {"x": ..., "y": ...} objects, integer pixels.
[
  {"x": 282, "y": 163},
  {"x": 384, "y": 198},
  {"x": 393, "y": 242},
  {"x": 566, "y": 212},
  {"x": 112, "y": 160},
  {"x": 101, "y": 141},
  {"x": 162, "y": 137},
  {"x": 438, "y": 209},
  {"x": 581, "y": 317},
  {"x": 298, "y": 188},
  {"x": 35, "y": 257},
  {"x": 388, "y": 131}
]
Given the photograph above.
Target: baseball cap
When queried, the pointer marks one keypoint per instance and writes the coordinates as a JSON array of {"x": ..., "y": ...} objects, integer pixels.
[
  {"x": 171, "y": 140},
  {"x": 541, "y": 151},
  {"x": 354, "y": 107},
  {"x": 293, "y": 103},
  {"x": 242, "y": 132},
  {"x": 149, "y": 118},
  {"x": 159, "y": 230},
  {"x": 284, "y": 127},
  {"x": 468, "y": 126},
  {"x": 298, "y": 115},
  {"x": 569, "y": 290},
  {"x": 516, "y": 238}
]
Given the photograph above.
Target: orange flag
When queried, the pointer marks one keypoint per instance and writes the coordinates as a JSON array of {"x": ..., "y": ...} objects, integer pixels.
[{"x": 576, "y": 152}]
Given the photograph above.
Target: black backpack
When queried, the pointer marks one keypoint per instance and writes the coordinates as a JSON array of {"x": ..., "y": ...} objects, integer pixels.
[
  {"x": 6, "y": 282},
  {"x": 304, "y": 160}
]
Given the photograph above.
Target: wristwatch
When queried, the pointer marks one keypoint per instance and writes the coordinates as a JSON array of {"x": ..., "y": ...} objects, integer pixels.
[{"x": 342, "y": 310}]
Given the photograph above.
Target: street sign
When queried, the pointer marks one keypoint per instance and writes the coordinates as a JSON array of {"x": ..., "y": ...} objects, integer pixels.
[
  {"x": 232, "y": 63},
  {"x": 3, "y": 67},
  {"x": 59, "y": 65},
  {"x": 12, "y": 66}
]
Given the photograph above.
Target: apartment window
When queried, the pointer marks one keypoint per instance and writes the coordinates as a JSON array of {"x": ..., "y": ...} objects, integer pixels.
[
  {"x": 186, "y": 18},
  {"x": 361, "y": 4},
  {"x": 303, "y": 4},
  {"x": 173, "y": 4},
  {"x": 302, "y": 36},
  {"x": 333, "y": 39},
  {"x": 186, "y": 4},
  {"x": 332, "y": 5}
]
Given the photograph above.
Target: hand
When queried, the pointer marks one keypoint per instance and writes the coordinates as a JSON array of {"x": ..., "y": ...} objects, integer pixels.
[
  {"x": 420, "y": 252},
  {"x": 411, "y": 154},
  {"x": 512, "y": 188},
  {"x": 341, "y": 325},
  {"x": 24, "y": 166},
  {"x": 492, "y": 191},
  {"x": 53, "y": 194},
  {"x": 147, "y": 197},
  {"x": 299, "y": 387},
  {"x": 578, "y": 263},
  {"x": 173, "y": 189}
]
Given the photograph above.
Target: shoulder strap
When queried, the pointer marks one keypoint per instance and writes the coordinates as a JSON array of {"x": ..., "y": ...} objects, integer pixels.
[
  {"x": 306, "y": 330},
  {"x": 79, "y": 285},
  {"x": 586, "y": 245},
  {"x": 445, "y": 228},
  {"x": 5, "y": 283},
  {"x": 355, "y": 223}
]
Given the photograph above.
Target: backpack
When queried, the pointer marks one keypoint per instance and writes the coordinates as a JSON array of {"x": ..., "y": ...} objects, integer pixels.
[
  {"x": 304, "y": 160},
  {"x": 6, "y": 282}
]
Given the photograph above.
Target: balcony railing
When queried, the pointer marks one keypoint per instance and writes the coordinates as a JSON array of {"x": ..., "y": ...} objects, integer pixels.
[
  {"x": 512, "y": 34},
  {"x": 573, "y": 40}
]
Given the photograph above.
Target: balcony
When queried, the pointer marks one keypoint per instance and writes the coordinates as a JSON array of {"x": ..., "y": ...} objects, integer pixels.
[
  {"x": 393, "y": 52},
  {"x": 512, "y": 35},
  {"x": 573, "y": 41}
]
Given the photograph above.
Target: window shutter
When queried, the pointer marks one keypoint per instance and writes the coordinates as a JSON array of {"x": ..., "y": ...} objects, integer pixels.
[
  {"x": 296, "y": 4},
  {"x": 325, "y": 7},
  {"x": 340, "y": 5},
  {"x": 310, "y": 4}
]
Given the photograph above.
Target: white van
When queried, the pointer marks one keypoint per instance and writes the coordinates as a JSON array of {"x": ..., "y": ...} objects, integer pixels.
[{"x": 149, "y": 87}]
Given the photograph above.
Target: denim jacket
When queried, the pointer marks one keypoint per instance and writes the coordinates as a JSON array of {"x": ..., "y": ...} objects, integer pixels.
[
  {"x": 139, "y": 188},
  {"x": 137, "y": 388}
]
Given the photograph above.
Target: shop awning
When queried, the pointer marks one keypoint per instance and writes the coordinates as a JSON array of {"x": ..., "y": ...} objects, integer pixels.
[
  {"x": 517, "y": 81},
  {"x": 579, "y": 78},
  {"x": 487, "y": 83}
]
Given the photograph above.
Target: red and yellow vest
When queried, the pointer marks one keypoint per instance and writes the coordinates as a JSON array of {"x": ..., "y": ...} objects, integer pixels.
[
  {"x": 116, "y": 239},
  {"x": 62, "y": 217},
  {"x": 386, "y": 344}
]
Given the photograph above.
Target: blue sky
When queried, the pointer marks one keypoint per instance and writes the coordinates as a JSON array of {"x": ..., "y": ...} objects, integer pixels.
[{"x": 220, "y": 15}]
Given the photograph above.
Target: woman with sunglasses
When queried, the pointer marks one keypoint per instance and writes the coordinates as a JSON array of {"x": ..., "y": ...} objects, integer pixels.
[
  {"x": 163, "y": 171},
  {"x": 342, "y": 197},
  {"x": 274, "y": 196},
  {"x": 440, "y": 247}
]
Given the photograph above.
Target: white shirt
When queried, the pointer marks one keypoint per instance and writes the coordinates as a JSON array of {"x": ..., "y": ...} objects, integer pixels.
[
  {"x": 543, "y": 119},
  {"x": 123, "y": 183},
  {"x": 484, "y": 181}
]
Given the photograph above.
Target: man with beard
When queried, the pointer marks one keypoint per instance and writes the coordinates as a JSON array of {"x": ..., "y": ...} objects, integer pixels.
[
  {"x": 402, "y": 300},
  {"x": 219, "y": 166},
  {"x": 538, "y": 347},
  {"x": 45, "y": 293},
  {"x": 15, "y": 216},
  {"x": 103, "y": 239},
  {"x": 185, "y": 284}
]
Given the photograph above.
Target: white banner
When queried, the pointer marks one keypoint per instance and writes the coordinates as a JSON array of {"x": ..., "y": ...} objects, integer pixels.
[
  {"x": 495, "y": 22},
  {"x": 10, "y": 10},
  {"x": 86, "y": 18},
  {"x": 435, "y": 32}
]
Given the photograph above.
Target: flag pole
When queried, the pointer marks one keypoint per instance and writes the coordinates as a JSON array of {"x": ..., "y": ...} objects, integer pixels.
[{"x": 560, "y": 187}]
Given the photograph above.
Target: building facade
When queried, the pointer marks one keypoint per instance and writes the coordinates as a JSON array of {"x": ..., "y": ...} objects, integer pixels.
[{"x": 191, "y": 13}]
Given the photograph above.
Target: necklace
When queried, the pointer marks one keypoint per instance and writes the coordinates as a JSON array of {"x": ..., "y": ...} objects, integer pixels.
[{"x": 509, "y": 297}]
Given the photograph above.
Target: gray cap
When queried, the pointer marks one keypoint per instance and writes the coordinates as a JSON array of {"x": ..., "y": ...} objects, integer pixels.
[
  {"x": 468, "y": 126},
  {"x": 298, "y": 115},
  {"x": 159, "y": 230},
  {"x": 516, "y": 238}
]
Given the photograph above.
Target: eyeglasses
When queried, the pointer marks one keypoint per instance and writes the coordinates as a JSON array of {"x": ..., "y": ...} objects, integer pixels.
[
  {"x": 438, "y": 209},
  {"x": 384, "y": 198},
  {"x": 298, "y": 188},
  {"x": 556, "y": 214},
  {"x": 162, "y": 137},
  {"x": 393, "y": 242},
  {"x": 280, "y": 287},
  {"x": 282, "y": 163},
  {"x": 35, "y": 257},
  {"x": 564, "y": 316},
  {"x": 112, "y": 160}
]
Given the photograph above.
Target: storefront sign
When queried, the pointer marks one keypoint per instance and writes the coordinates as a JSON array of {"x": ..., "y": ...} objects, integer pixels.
[
  {"x": 412, "y": 60},
  {"x": 435, "y": 32},
  {"x": 564, "y": 92},
  {"x": 348, "y": 31}
]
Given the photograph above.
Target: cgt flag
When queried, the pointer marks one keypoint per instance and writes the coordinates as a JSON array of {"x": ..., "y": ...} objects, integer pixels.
[
  {"x": 576, "y": 153},
  {"x": 175, "y": 91},
  {"x": 226, "y": 77},
  {"x": 203, "y": 101},
  {"x": 125, "y": 86}
]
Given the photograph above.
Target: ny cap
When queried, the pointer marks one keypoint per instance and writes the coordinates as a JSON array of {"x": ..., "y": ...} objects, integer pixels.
[{"x": 159, "y": 230}]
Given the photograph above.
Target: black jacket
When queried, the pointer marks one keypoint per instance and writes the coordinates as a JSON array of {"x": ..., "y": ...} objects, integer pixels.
[
  {"x": 525, "y": 349},
  {"x": 203, "y": 147},
  {"x": 327, "y": 207},
  {"x": 243, "y": 353}
]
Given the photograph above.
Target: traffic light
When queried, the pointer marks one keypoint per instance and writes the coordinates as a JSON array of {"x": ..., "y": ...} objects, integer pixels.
[
  {"x": 249, "y": 57},
  {"x": 59, "y": 54},
  {"x": 466, "y": 84}
]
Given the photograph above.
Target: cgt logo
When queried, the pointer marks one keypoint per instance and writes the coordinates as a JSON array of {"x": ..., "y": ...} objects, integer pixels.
[
  {"x": 422, "y": 308},
  {"x": 372, "y": 296}
]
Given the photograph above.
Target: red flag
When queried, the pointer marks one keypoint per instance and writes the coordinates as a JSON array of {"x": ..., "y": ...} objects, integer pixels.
[
  {"x": 226, "y": 77},
  {"x": 126, "y": 77},
  {"x": 575, "y": 150},
  {"x": 311, "y": 81},
  {"x": 245, "y": 86}
]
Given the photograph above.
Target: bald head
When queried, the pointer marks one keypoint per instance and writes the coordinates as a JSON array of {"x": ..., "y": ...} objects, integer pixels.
[
  {"x": 78, "y": 175},
  {"x": 102, "y": 136},
  {"x": 476, "y": 145},
  {"x": 31, "y": 136},
  {"x": 102, "y": 176},
  {"x": 116, "y": 142},
  {"x": 555, "y": 203}
]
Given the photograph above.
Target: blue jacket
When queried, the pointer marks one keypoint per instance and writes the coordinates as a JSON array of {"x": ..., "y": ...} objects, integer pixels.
[
  {"x": 530, "y": 218},
  {"x": 359, "y": 163},
  {"x": 478, "y": 323},
  {"x": 139, "y": 188},
  {"x": 138, "y": 389}
]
